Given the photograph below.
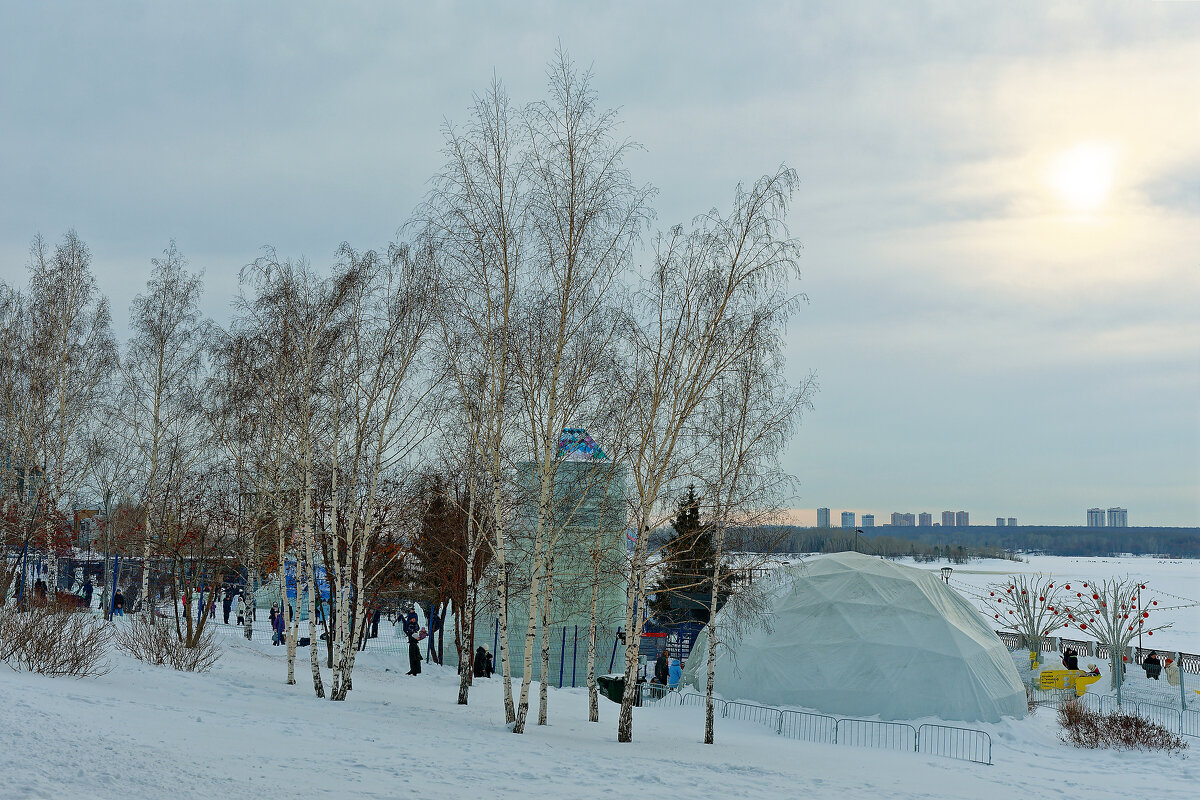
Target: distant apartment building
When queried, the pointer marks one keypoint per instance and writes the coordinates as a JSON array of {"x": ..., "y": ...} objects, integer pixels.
[
  {"x": 847, "y": 519},
  {"x": 947, "y": 519},
  {"x": 925, "y": 519},
  {"x": 962, "y": 519},
  {"x": 999, "y": 522},
  {"x": 1012, "y": 522},
  {"x": 868, "y": 520},
  {"x": 1118, "y": 518},
  {"x": 903, "y": 520},
  {"x": 1095, "y": 518},
  {"x": 822, "y": 517}
]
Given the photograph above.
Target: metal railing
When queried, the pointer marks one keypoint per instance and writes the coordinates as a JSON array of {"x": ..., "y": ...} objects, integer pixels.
[
  {"x": 808, "y": 727},
  {"x": 879, "y": 735},
  {"x": 1188, "y": 662},
  {"x": 751, "y": 713},
  {"x": 965, "y": 744}
]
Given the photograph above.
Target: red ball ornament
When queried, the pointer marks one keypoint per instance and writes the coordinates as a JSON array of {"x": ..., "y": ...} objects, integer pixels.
[
  {"x": 1154, "y": 603},
  {"x": 1124, "y": 658},
  {"x": 1022, "y": 591},
  {"x": 1143, "y": 586},
  {"x": 1068, "y": 586},
  {"x": 1041, "y": 599},
  {"x": 997, "y": 616},
  {"x": 992, "y": 594},
  {"x": 1149, "y": 633},
  {"x": 1083, "y": 626},
  {"x": 1145, "y": 614},
  {"x": 1095, "y": 597},
  {"x": 1085, "y": 586},
  {"x": 1130, "y": 627}
]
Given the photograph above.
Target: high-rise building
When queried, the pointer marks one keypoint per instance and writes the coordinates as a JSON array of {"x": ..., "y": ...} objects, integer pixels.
[
  {"x": 822, "y": 517},
  {"x": 925, "y": 519},
  {"x": 1118, "y": 518},
  {"x": 903, "y": 520},
  {"x": 868, "y": 520},
  {"x": 947, "y": 519},
  {"x": 1012, "y": 522},
  {"x": 999, "y": 522},
  {"x": 847, "y": 519},
  {"x": 1095, "y": 518},
  {"x": 961, "y": 519}
]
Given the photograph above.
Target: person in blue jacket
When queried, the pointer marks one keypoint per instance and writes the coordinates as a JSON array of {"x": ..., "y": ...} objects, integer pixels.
[{"x": 675, "y": 673}]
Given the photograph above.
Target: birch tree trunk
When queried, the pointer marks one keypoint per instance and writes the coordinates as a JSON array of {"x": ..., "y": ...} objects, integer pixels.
[{"x": 546, "y": 603}]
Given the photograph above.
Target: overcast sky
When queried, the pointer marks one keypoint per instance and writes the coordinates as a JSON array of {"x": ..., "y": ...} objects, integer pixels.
[{"x": 999, "y": 207}]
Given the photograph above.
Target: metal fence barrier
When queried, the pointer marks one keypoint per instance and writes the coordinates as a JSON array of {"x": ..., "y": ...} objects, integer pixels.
[
  {"x": 966, "y": 744},
  {"x": 751, "y": 713},
  {"x": 808, "y": 727},
  {"x": 879, "y": 735}
]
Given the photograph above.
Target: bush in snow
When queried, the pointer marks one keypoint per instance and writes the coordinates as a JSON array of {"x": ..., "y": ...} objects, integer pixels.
[
  {"x": 158, "y": 644},
  {"x": 53, "y": 639},
  {"x": 1084, "y": 728}
]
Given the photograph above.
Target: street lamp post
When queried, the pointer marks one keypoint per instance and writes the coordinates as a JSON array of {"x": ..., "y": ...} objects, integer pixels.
[{"x": 946, "y": 574}]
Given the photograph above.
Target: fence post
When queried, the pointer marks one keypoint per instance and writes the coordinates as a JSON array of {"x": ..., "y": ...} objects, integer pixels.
[
  {"x": 562, "y": 656},
  {"x": 574, "y": 657},
  {"x": 1182, "y": 696},
  {"x": 112, "y": 597},
  {"x": 612, "y": 659},
  {"x": 24, "y": 566}
]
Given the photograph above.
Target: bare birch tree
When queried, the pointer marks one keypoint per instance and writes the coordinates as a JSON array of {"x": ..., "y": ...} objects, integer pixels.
[
  {"x": 714, "y": 296},
  {"x": 71, "y": 352},
  {"x": 475, "y": 223},
  {"x": 586, "y": 216},
  {"x": 161, "y": 376},
  {"x": 747, "y": 424}
]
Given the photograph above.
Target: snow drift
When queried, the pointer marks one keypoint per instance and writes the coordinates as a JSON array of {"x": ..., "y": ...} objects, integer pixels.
[{"x": 857, "y": 635}]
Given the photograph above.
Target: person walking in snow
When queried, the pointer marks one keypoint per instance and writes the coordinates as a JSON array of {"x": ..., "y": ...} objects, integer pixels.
[
  {"x": 414, "y": 652},
  {"x": 241, "y": 610},
  {"x": 118, "y": 604},
  {"x": 227, "y": 605},
  {"x": 481, "y": 662},
  {"x": 675, "y": 672},
  {"x": 276, "y": 625},
  {"x": 87, "y": 592},
  {"x": 662, "y": 668}
]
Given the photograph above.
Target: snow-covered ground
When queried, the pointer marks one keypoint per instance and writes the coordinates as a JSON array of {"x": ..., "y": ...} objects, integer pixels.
[{"x": 239, "y": 732}]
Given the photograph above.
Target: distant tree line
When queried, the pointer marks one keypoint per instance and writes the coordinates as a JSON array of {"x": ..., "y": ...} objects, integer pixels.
[
  {"x": 792, "y": 539},
  {"x": 930, "y": 544}
]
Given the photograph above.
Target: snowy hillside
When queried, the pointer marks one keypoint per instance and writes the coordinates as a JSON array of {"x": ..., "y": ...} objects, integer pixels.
[{"x": 239, "y": 732}]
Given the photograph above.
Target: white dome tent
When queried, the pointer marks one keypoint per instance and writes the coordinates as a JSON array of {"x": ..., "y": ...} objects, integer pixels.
[{"x": 856, "y": 635}]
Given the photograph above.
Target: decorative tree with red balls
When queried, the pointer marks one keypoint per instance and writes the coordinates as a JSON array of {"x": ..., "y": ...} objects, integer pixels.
[
  {"x": 1030, "y": 605},
  {"x": 1112, "y": 611}
]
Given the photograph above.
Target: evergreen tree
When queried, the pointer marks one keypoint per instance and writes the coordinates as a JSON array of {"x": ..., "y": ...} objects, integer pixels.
[{"x": 688, "y": 558}]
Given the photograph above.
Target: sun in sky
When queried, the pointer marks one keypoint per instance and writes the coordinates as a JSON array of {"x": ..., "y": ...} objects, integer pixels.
[{"x": 1083, "y": 175}]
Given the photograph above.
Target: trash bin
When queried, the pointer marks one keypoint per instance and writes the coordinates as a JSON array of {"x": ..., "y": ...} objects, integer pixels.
[{"x": 613, "y": 687}]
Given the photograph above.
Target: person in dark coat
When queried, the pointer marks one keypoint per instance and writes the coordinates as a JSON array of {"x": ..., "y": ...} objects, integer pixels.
[
  {"x": 481, "y": 662},
  {"x": 491, "y": 667},
  {"x": 375, "y": 615},
  {"x": 277, "y": 625},
  {"x": 227, "y": 605},
  {"x": 1070, "y": 659},
  {"x": 40, "y": 590},
  {"x": 662, "y": 668},
  {"x": 414, "y": 653},
  {"x": 411, "y": 625},
  {"x": 87, "y": 592},
  {"x": 118, "y": 604},
  {"x": 1152, "y": 666}
]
